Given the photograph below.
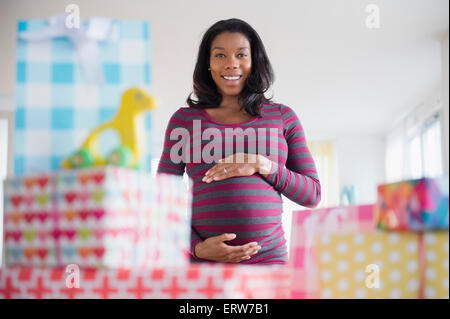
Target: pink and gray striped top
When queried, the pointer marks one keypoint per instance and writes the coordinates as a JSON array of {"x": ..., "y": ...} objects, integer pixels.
[{"x": 250, "y": 206}]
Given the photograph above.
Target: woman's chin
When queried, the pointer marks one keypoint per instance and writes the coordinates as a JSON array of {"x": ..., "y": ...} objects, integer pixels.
[{"x": 231, "y": 93}]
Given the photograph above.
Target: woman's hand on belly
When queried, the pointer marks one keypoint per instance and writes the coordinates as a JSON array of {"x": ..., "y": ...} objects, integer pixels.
[
  {"x": 239, "y": 164},
  {"x": 215, "y": 249}
]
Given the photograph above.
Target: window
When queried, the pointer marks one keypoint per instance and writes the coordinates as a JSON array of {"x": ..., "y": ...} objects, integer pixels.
[
  {"x": 432, "y": 148},
  {"x": 414, "y": 151},
  {"x": 425, "y": 149},
  {"x": 394, "y": 157},
  {"x": 414, "y": 157}
]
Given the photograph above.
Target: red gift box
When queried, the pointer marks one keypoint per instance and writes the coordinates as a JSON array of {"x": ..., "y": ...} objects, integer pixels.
[{"x": 202, "y": 280}]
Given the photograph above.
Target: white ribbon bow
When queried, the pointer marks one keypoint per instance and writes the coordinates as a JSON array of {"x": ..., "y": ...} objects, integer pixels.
[{"x": 85, "y": 40}]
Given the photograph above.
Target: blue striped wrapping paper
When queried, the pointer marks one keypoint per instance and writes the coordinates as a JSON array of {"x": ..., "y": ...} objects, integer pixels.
[{"x": 56, "y": 108}]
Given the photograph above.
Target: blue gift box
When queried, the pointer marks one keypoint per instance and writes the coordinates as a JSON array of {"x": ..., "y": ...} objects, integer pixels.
[{"x": 56, "y": 105}]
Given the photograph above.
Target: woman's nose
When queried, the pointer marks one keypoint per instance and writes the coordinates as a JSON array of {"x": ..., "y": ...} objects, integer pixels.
[{"x": 232, "y": 63}]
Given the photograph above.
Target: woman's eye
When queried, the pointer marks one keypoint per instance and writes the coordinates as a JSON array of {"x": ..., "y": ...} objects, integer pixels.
[{"x": 240, "y": 55}]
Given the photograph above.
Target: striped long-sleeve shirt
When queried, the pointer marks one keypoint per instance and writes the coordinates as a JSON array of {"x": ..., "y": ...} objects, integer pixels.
[{"x": 249, "y": 206}]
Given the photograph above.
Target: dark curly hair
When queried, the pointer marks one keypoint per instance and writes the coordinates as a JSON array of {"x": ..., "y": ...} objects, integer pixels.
[{"x": 256, "y": 84}]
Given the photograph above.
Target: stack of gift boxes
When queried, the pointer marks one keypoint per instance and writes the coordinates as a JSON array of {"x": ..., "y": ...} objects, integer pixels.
[
  {"x": 98, "y": 232},
  {"x": 395, "y": 248},
  {"x": 118, "y": 233},
  {"x": 108, "y": 217}
]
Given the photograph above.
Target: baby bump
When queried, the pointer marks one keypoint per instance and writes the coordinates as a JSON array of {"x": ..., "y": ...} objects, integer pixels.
[{"x": 246, "y": 206}]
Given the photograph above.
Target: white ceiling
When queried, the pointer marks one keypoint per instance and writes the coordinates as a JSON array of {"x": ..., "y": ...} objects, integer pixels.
[{"x": 354, "y": 79}]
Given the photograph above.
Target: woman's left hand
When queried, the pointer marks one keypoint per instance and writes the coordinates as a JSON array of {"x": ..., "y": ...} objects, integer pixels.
[{"x": 239, "y": 164}]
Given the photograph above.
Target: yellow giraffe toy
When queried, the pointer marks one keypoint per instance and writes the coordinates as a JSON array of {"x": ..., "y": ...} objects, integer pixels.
[{"x": 125, "y": 123}]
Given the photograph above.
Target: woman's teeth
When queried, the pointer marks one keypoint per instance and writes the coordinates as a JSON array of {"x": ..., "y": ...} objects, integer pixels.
[{"x": 231, "y": 78}]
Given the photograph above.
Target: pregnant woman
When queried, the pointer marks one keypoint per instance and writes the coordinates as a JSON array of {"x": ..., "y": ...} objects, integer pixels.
[{"x": 241, "y": 150}]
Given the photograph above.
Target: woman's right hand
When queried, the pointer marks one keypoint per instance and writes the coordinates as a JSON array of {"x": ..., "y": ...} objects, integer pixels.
[{"x": 214, "y": 248}]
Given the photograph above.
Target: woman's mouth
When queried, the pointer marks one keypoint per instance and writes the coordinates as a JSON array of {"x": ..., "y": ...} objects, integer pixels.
[{"x": 231, "y": 79}]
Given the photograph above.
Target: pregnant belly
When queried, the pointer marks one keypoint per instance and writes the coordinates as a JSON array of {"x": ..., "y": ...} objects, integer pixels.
[{"x": 248, "y": 207}]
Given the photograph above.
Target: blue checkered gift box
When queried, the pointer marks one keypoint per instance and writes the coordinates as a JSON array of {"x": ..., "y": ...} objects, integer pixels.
[{"x": 56, "y": 105}]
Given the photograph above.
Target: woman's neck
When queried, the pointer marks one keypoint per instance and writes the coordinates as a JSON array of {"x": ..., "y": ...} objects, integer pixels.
[{"x": 230, "y": 103}]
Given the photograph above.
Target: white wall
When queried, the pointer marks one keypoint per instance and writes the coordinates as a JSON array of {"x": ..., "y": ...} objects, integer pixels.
[
  {"x": 7, "y": 115},
  {"x": 3, "y": 162},
  {"x": 361, "y": 163},
  {"x": 445, "y": 105}
]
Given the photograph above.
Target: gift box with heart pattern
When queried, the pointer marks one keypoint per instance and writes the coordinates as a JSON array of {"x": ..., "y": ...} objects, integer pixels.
[{"x": 104, "y": 217}]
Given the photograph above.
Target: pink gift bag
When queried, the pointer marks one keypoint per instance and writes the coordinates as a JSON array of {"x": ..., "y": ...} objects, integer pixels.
[{"x": 306, "y": 225}]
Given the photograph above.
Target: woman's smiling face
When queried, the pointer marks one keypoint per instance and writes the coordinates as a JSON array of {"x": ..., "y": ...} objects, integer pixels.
[{"x": 230, "y": 62}]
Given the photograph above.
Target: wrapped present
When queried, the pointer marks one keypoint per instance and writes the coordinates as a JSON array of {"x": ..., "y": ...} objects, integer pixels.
[
  {"x": 197, "y": 281},
  {"x": 417, "y": 205},
  {"x": 305, "y": 227},
  {"x": 384, "y": 265},
  {"x": 97, "y": 217},
  {"x": 71, "y": 80}
]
